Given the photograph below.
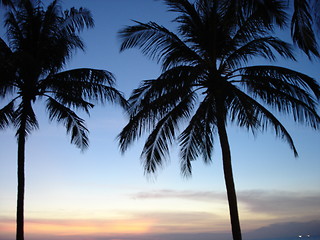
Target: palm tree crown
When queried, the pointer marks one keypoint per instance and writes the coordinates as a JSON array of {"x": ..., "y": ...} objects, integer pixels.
[
  {"x": 207, "y": 82},
  {"x": 40, "y": 43}
]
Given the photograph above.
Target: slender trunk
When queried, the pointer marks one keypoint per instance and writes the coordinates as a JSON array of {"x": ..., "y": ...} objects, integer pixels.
[
  {"x": 228, "y": 176},
  {"x": 21, "y": 183}
]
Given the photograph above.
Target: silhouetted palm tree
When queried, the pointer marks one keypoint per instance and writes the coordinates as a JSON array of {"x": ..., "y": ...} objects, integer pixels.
[
  {"x": 41, "y": 41},
  {"x": 206, "y": 82}
]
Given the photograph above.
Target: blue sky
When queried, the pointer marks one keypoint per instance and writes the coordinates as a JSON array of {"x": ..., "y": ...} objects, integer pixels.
[{"x": 101, "y": 194}]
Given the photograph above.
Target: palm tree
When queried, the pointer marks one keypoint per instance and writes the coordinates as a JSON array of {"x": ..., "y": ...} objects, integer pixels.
[
  {"x": 207, "y": 82},
  {"x": 41, "y": 41}
]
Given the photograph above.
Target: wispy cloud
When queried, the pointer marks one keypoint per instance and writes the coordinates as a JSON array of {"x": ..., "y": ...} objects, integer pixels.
[
  {"x": 279, "y": 204},
  {"x": 286, "y": 205},
  {"x": 186, "y": 195}
]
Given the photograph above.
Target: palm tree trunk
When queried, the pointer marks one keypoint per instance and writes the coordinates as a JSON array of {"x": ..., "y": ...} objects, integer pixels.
[
  {"x": 228, "y": 176},
  {"x": 21, "y": 183}
]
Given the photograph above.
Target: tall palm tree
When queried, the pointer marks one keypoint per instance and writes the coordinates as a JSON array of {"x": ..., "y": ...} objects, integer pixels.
[
  {"x": 207, "y": 82},
  {"x": 40, "y": 42}
]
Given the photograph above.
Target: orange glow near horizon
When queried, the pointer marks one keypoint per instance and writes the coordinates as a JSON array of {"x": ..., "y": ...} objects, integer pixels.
[
  {"x": 95, "y": 227},
  {"x": 99, "y": 227},
  {"x": 79, "y": 227}
]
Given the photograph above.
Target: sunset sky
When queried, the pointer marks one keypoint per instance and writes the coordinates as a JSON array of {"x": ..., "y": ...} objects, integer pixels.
[{"x": 101, "y": 194}]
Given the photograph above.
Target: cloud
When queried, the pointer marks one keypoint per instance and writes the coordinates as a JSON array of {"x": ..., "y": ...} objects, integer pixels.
[
  {"x": 299, "y": 205},
  {"x": 206, "y": 196},
  {"x": 303, "y": 205},
  {"x": 257, "y": 208}
]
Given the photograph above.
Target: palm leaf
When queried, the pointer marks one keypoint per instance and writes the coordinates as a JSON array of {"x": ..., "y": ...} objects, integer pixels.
[
  {"x": 263, "y": 47},
  {"x": 280, "y": 76},
  {"x": 77, "y": 20},
  {"x": 264, "y": 118},
  {"x": 25, "y": 119},
  {"x": 156, "y": 148},
  {"x": 146, "y": 110},
  {"x": 7, "y": 115},
  {"x": 197, "y": 138},
  {"x": 241, "y": 110},
  {"x": 301, "y": 28},
  {"x": 286, "y": 90},
  {"x": 7, "y": 69},
  {"x": 157, "y": 43},
  {"x": 90, "y": 84},
  {"x": 172, "y": 81},
  {"x": 75, "y": 125},
  {"x": 154, "y": 99}
]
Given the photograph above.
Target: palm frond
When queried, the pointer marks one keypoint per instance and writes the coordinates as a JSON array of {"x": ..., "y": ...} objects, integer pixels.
[
  {"x": 72, "y": 101},
  {"x": 263, "y": 47},
  {"x": 7, "y": 115},
  {"x": 190, "y": 15},
  {"x": 156, "y": 148},
  {"x": 14, "y": 33},
  {"x": 270, "y": 11},
  {"x": 302, "y": 30},
  {"x": 241, "y": 110},
  {"x": 25, "y": 119},
  {"x": 286, "y": 90},
  {"x": 262, "y": 119},
  {"x": 197, "y": 138},
  {"x": 154, "y": 99},
  {"x": 180, "y": 6},
  {"x": 157, "y": 43},
  {"x": 7, "y": 70},
  {"x": 74, "y": 124},
  {"x": 172, "y": 81},
  {"x": 146, "y": 115},
  {"x": 283, "y": 76},
  {"x": 86, "y": 84},
  {"x": 77, "y": 20},
  {"x": 51, "y": 21}
]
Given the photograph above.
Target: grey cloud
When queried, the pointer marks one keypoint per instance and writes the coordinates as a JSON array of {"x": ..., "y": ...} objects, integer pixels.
[
  {"x": 282, "y": 202},
  {"x": 186, "y": 195},
  {"x": 300, "y": 206}
]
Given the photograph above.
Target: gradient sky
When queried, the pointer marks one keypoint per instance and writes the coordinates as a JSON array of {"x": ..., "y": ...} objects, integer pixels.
[{"x": 101, "y": 194}]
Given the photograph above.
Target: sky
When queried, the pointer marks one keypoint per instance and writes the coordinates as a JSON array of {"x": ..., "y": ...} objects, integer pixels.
[{"x": 101, "y": 194}]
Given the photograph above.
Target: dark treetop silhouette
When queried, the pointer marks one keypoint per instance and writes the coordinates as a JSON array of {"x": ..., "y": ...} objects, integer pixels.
[
  {"x": 206, "y": 83},
  {"x": 41, "y": 41}
]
